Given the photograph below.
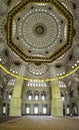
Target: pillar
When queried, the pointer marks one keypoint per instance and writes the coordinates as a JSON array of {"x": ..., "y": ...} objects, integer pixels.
[
  {"x": 15, "y": 105},
  {"x": 78, "y": 107},
  {"x": 56, "y": 101}
]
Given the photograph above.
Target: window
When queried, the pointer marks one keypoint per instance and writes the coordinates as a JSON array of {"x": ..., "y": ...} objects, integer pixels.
[
  {"x": 10, "y": 96},
  {"x": 36, "y": 83},
  {"x": 36, "y": 109},
  {"x": 67, "y": 110},
  {"x": 30, "y": 97},
  {"x": 36, "y": 95},
  {"x": 4, "y": 108},
  {"x": 43, "y": 97},
  {"x": 44, "y": 109},
  {"x": 62, "y": 98},
  {"x": 27, "y": 109}
]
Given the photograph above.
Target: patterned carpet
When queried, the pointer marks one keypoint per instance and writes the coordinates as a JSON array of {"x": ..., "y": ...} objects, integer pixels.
[{"x": 41, "y": 123}]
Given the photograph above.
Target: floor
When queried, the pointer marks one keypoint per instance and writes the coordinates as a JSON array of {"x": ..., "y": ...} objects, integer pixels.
[{"x": 41, "y": 123}]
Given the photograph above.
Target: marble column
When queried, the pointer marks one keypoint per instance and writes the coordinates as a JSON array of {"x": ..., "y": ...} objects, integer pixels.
[
  {"x": 56, "y": 101},
  {"x": 15, "y": 105}
]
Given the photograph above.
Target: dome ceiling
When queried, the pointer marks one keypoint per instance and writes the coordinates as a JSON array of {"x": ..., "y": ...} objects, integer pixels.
[
  {"x": 39, "y": 34},
  {"x": 39, "y": 31}
]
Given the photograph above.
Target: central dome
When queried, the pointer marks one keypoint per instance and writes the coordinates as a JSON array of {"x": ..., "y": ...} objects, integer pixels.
[{"x": 39, "y": 29}]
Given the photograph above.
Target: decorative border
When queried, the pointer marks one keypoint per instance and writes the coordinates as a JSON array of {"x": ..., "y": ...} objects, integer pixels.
[
  {"x": 45, "y": 80},
  {"x": 60, "y": 51}
]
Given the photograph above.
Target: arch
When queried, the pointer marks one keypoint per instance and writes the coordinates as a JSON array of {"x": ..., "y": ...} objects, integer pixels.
[
  {"x": 36, "y": 94},
  {"x": 62, "y": 95},
  {"x": 10, "y": 93},
  {"x": 43, "y": 95},
  {"x": 29, "y": 95}
]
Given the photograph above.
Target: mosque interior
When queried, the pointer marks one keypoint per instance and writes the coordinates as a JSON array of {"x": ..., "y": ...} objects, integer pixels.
[{"x": 39, "y": 57}]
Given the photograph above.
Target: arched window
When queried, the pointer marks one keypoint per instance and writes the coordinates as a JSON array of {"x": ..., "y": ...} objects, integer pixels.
[
  {"x": 29, "y": 95},
  {"x": 43, "y": 95},
  {"x": 27, "y": 108},
  {"x": 10, "y": 94},
  {"x": 36, "y": 95},
  {"x": 36, "y": 108},
  {"x": 62, "y": 96},
  {"x": 44, "y": 108},
  {"x": 4, "y": 108},
  {"x": 68, "y": 109}
]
